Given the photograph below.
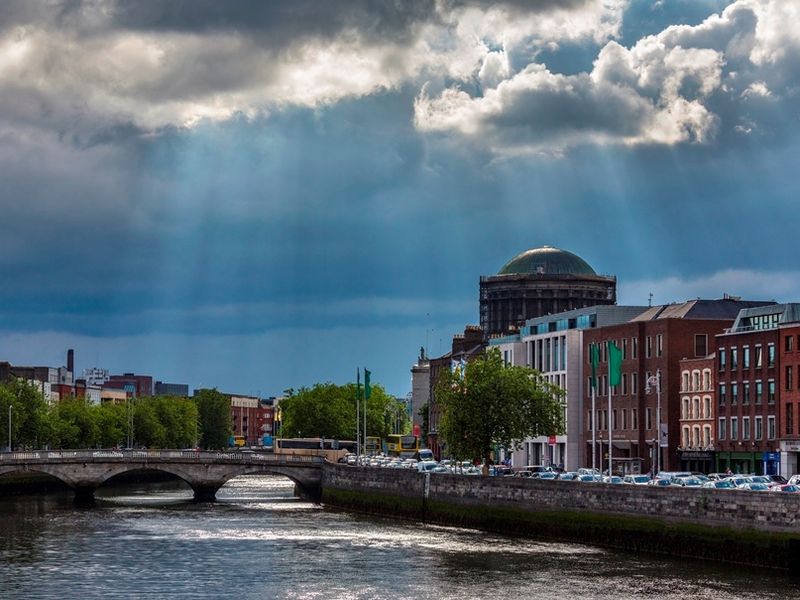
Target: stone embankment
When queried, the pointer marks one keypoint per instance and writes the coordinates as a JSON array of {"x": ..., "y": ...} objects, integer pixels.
[{"x": 733, "y": 526}]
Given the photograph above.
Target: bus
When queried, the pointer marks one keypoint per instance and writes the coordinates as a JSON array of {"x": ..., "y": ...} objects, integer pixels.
[
  {"x": 372, "y": 446},
  {"x": 331, "y": 450},
  {"x": 404, "y": 446},
  {"x": 236, "y": 441}
]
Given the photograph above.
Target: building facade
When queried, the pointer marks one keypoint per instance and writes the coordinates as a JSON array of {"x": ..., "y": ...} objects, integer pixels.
[
  {"x": 643, "y": 418},
  {"x": 553, "y": 345},
  {"x": 696, "y": 450},
  {"x": 420, "y": 391}
]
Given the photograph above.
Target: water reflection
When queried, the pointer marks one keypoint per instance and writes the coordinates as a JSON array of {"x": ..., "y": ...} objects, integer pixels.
[{"x": 260, "y": 542}]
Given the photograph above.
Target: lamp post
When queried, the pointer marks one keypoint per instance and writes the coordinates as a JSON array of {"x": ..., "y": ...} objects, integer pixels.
[
  {"x": 655, "y": 380},
  {"x": 10, "y": 406}
]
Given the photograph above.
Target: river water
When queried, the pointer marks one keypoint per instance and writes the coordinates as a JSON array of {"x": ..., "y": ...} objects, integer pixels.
[{"x": 258, "y": 541}]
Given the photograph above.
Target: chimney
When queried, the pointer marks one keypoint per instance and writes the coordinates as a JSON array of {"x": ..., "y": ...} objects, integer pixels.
[{"x": 71, "y": 360}]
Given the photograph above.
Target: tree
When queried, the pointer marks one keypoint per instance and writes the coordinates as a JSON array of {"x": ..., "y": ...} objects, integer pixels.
[
  {"x": 492, "y": 403},
  {"x": 329, "y": 410},
  {"x": 214, "y": 419}
]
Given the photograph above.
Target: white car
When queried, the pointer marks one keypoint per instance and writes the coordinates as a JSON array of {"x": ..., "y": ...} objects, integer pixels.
[{"x": 636, "y": 479}]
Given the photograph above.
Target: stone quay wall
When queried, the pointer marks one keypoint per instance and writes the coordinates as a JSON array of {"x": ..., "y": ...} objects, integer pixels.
[{"x": 733, "y": 526}]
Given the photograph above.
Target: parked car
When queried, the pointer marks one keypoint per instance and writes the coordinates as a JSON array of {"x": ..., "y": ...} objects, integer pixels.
[
  {"x": 660, "y": 482},
  {"x": 785, "y": 487},
  {"x": 755, "y": 487},
  {"x": 615, "y": 479},
  {"x": 568, "y": 476},
  {"x": 720, "y": 484},
  {"x": 686, "y": 481},
  {"x": 636, "y": 479}
]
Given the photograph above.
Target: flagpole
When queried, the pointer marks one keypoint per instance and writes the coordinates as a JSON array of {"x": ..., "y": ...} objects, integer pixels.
[
  {"x": 358, "y": 415},
  {"x": 366, "y": 382},
  {"x": 594, "y": 429},
  {"x": 610, "y": 424}
]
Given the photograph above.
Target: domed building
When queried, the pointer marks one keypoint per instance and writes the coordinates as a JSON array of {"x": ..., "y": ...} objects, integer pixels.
[{"x": 539, "y": 282}]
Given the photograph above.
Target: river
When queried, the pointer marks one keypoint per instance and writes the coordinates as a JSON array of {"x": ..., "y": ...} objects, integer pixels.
[{"x": 258, "y": 541}]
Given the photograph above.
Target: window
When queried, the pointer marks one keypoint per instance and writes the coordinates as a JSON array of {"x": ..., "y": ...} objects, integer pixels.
[
  {"x": 745, "y": 428},
  {"x": 734, "y": 428},
  {"x": 759, "y": 422},
  {"x": 634, "y": 348},
  {"x": 614, "y": 419},
  {"x": 685, "y": 381},
  {"x": 706, "y": 380},
  {"x": 788, "y": 376},
  {"x": 759, "y": 392},
  {"x": 648, "y": 347},
  {"x": 734, "y": 358},
  {"x": 746, "y": 357},
  {"x": 721, "y": 394},
  {"x": 634, "y": 419},
  {"x": 789, "y": 419},
  {"x": 624, "y": 348},
  {"x": 706, "y": 407},
  {"x": 624, "y": 382},
  {"x": 745, "y": 392},
  {"x": 624, "y": 418},
  {"x": 648, "y": 415},
  {"x": 700, "y": 345},
  {"x": 771, "y": 391},
  {"x": 734, "y": 393},
  {"x": 706, "y": 436},
  {"x": 788, "y": 343},
  {"x": 695, "y": 407},
  {"x": 659, "y": 345},
  {"x": 771, "y": 427},
  {"x": 685, "y": 437},
  {"x": 721, "y": 428},
  {"x": 770, "y": 355},
  {"x": 685, "y": 408},
  {"x": 758, "y": 360},
  {"x": 722, "y": 354},
  {"x": 634, "y": 383}
]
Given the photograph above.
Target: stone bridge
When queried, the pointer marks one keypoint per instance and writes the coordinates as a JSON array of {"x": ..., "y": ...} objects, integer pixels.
[{"x": 86, "y": 470}]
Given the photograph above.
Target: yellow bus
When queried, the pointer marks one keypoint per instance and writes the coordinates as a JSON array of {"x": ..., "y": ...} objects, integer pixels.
[{"x": 404, "y": 446}]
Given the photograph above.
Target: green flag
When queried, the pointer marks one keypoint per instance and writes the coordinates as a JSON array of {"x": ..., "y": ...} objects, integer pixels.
[
  {"x": 614, "y": 364},
  {"x": 367, "y": 386},
  {"x": 594, "y": 358}
]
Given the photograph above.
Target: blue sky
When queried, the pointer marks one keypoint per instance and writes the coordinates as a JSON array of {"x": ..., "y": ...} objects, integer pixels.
[{"x": 257, "y": 196}]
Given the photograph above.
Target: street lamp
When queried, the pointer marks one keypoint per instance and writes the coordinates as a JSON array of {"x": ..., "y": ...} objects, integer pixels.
[
  {"x": 655, "y": 380},
  {"x": 10, "y": 406}
]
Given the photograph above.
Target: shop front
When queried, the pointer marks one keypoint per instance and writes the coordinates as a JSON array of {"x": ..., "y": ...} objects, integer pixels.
[
  {"x": 697, "y": 461},
  {"x": 743, "y": 463}
]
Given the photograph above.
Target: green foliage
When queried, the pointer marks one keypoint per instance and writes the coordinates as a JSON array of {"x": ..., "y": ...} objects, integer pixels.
[
  {"x": 329, "y": 410},
  {"x": 214, "y": 419},
  {"x": 495, "y": 404},
  {"x": 158, "y": 422}
]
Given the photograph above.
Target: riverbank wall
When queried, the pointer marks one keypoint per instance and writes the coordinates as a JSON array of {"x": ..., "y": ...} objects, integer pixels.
[{"x": 760, "y": 529}]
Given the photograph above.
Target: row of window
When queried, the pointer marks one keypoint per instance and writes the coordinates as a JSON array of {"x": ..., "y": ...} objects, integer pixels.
[
  {"x": 722, "y": 394},
  {"x": 757, "y": 433},
  {"x": 724, "y": 363},
  {"x": 696, "y": 437},
  {"x": 628, "y": 419},
  {"x": 691, "y": 408},
  {"x": 623, "y": 388},
  {"x": 692, "y": 382}
]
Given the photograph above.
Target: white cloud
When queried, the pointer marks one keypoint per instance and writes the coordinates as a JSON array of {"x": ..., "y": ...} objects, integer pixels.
[
  {"x": 782, "y": 286},
  {"x": 662, "y": 90}
]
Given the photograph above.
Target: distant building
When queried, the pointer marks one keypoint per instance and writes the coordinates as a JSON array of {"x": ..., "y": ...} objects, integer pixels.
[
  {"x": 139, "y": 386},
  {"x": 171, "y": 389},
  {"x": 539, "y": 282},
  {"x": 252, "y": 418},
  {"x": 420, "y": 389},
  {"x": 696, "y": 449}
]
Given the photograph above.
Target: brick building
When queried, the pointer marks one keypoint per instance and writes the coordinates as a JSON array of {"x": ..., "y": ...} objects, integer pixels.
[
  {"x": 789, "y": 397},
  {"x": 698, "y": 397},
  {"x": 652, "y": 344},
  {"x": 139, "y": 386}
]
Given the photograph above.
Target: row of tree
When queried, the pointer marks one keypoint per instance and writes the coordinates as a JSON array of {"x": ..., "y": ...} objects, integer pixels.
[{"x": 155, "y": 422}]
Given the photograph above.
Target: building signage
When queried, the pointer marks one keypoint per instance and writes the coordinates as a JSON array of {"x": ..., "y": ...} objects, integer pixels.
[
  {"x": 695, "y": 455},
  {"x": 664, "y": 442},
  {"x": 551, "y": 440},
  {"x": 772, "y": 457}
]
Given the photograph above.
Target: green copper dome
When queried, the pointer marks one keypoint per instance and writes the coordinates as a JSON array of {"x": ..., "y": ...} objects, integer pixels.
[{"x": 547, "y": 261}]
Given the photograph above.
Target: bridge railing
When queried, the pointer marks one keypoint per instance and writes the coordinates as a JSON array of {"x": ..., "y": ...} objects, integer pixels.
[{"x": 136, "y": 455}]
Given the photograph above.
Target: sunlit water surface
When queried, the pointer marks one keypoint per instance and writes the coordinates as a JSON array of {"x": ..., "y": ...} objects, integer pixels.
[{"x": 258, "y": 541}]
